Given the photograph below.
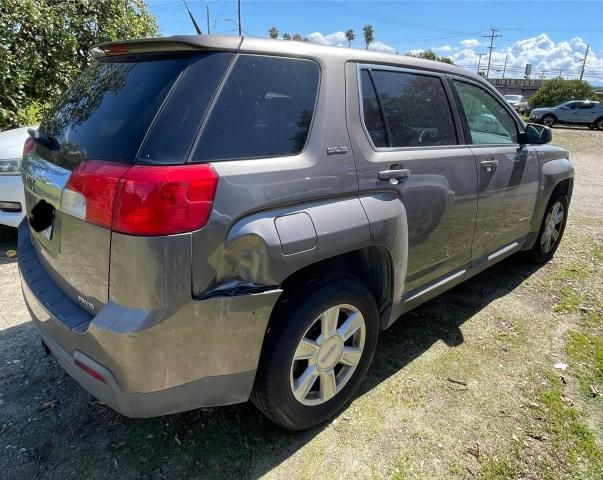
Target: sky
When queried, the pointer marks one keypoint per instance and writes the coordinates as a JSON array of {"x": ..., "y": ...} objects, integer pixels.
[{"x": 552, "y": 36}]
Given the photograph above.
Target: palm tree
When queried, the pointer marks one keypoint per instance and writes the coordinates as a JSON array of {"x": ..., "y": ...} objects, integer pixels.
[
  {"x": 297, "y": 37},
  {"x": 286, "y": 36},
  {"x": 350, "y": 36},
  {"x": 369, "y": 35},
  {"x": 273, "y": 33}
]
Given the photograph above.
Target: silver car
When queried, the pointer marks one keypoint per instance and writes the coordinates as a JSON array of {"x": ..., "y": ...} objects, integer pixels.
[
  {"x": 575, "y": 112},
  {"x": 212, "y": 219},
  {"x": 518, "y": 102}
]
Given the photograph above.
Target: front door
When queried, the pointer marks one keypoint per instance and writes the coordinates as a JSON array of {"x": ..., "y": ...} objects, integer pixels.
[
  {"x": 408, "y": 152},
  {"x": 508, "y": 175}
]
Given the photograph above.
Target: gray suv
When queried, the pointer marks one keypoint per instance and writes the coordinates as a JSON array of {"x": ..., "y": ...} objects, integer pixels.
[
  {"x": 212, "y": 219},
  {"x": 575, "y": 112}
]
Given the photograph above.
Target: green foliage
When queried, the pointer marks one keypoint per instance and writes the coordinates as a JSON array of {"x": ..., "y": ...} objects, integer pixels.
[
  {"x": 273, "y": 33},
  {"x": 369, "y": 35},
  {"x": 286, "y": 36},
  {"x": 350, "y": 36},
  {"x": 430, "y": 55},
  {"x": 44, "y": 45},
  {"x": 554, "y": 92}
]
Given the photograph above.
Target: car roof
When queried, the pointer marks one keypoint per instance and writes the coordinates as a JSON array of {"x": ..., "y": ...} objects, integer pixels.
[{"x": 246, "y": 44}]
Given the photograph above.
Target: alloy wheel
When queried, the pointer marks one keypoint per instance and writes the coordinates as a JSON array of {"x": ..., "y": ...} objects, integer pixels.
[
  {"x": 327, "y": 354},
  {"x": 552, "y": 227},
  {"x": 548, "y": 121}
]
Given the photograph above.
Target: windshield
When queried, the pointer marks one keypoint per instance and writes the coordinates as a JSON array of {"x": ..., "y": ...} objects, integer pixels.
[{"x": 514, "y": 98}]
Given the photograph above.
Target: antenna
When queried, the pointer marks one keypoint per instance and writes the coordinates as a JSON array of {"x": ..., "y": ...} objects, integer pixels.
[{"x": 197, "y": 29}]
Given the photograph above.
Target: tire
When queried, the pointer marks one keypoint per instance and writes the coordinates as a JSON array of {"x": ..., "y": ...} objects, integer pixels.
[
  {"x": 592, "y": 127},
  {"x": 297, "y": 316},
  {"x": 542, "y": 251},
  {"x": 548, "y": 120},
  {"x": 599, "y": 123}
]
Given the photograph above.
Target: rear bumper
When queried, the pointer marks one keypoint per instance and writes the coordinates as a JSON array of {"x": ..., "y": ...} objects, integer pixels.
[
  {"x": 11, "y": 190},
  {"x": 204, "y": 355}
]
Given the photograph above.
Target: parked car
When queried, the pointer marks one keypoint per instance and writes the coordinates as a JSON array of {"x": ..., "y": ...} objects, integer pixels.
[
  {"x": 12, "y": 199},
  {"x": 518, "y": 102},
  {"x": 217, "y": 218},
  {"x": 575, "y": 112}
]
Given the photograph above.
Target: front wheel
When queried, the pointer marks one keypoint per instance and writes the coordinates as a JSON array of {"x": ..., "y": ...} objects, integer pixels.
[
  {"x": 548, "y": 121},
  {"x": 551, "y": 229},
  {"x": 316, "y": 352},
  {"x": 599, "y": 124}
]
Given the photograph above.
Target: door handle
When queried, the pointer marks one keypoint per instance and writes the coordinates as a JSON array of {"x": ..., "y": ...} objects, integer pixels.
[
  {"x": 394, "y": 175},
  {"x": 489, "y": 164}
]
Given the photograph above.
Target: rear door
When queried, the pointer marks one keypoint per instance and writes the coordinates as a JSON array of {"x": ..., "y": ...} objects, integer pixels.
[
  {"x": 508, "y": 175},
  {"x": 101, "y": 123},
  {"x": 408, "y": 149}
]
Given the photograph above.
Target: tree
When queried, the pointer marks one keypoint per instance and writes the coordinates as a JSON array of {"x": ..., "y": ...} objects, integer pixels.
[
  {"x": 556, "y": 91},
  {"x": 369, "y": 35},
  {"x": 273, "y": 33},
  {"x": 286, "y": 36},
  {"x": 430, "y": 55},
  {"x": 44, "y": 45},
  {"x": 297, "y": 37},
  {"x": 350, "y": 36}
]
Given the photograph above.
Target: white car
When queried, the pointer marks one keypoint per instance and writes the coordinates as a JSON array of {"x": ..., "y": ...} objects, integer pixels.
[{"x": 12, "y": 198}]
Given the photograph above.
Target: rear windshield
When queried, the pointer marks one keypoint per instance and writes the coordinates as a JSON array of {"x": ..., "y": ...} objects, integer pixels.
[{"x": 105, "y": 114}]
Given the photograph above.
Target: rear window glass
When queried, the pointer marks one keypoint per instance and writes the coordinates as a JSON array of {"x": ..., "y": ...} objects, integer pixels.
[
  {"x": 105, "y": 114},
  {"x": 265, "y": 109}
]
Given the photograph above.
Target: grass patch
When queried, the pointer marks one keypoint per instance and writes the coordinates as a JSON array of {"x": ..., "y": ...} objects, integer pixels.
[
  {"x": 500, "y": 469},
  {"x": 586, "y": 352},
  {"x": 576, "y": 453}
]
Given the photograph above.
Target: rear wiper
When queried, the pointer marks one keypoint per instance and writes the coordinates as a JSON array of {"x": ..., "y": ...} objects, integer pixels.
[{"x": 40, "y": 138}]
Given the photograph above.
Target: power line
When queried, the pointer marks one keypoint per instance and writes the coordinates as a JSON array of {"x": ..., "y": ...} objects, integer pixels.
[{"x": 493, "y": 34}]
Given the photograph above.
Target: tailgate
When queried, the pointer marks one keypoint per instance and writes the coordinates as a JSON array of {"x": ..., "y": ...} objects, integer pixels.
[{"x": 102, "y": 119}]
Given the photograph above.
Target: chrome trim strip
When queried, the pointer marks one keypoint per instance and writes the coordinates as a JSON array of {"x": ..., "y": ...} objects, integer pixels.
[
  {"x": 436, "y": 285},
  {"x": 502, "y": 250}
]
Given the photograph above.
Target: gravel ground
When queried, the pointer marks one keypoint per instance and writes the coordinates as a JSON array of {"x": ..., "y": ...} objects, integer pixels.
[{"x": 449, "y": 396}]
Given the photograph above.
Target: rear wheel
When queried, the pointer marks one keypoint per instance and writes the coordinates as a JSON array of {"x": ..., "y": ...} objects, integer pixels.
[
  {"x": 599, "y": 123},
  {"x": 317, "y": 351},
  {"x": 551, "y": 230},
  {"x": 548, "y": 121}
]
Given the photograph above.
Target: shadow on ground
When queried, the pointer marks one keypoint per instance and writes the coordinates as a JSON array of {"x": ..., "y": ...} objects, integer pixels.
[
  {"x": 8, "y": 241},
  {"x": 80, "y": 438}
]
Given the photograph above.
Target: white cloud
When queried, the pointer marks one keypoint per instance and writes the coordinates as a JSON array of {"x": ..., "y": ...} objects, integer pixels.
[
  {"x": 470, "y": 42},
  {"x": 338, "y": 39},
  {"x": 444, "y": 49},
  {"x": 542, "y": 52},
  {"x": 381, "y": 47}
]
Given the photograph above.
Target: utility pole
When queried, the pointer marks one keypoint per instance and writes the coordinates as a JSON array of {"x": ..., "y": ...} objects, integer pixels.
[
  {"x": 505, "y": 67},
  {"x": 207, "y": 11},
  {"x": 584, "y": 62},
  {"x": 493, "y": 34},
  {"x": 239, "y": 10},
  {"x": 560, "y": 70},
  {"x": 479, "y": 62}
]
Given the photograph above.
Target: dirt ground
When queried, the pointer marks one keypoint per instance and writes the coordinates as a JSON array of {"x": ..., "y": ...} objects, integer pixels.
[{"x": 464, "y": 387}]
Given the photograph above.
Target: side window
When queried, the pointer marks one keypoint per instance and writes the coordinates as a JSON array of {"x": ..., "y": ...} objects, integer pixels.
[
  {"x": 265, "y": 109},
  {"x": 587, "y": 105},
  {"x": 416, "y": 109},
  {"x": 489, "y": 122},
  {"x": 372, "y": 114}
]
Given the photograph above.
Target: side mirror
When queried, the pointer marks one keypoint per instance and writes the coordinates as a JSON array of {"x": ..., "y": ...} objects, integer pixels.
[{"x": 536, "y": 134}]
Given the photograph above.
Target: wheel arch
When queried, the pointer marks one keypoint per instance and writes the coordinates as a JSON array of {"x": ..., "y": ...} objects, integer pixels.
[{"x": 371, "y": 265}]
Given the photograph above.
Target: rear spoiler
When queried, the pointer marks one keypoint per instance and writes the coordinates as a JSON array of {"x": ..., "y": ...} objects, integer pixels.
[{"x": 177, "y": 43}]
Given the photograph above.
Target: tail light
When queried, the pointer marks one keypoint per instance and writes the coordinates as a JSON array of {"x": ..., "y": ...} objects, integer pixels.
[
  {"x": 28, "y": 146},
  {"x": 140, "y": 199}
]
